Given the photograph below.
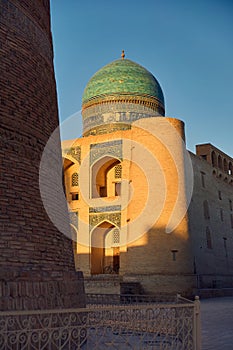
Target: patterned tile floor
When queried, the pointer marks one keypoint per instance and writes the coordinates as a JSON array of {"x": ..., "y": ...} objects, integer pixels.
[{"x": 217, "y": 323}]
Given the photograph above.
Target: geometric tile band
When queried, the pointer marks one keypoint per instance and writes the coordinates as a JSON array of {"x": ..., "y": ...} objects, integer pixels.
[
  {"x": 112, "y": 148},
  {"x": 96, "y": 219},
  {"x": 104, "y": 209},
  {"x": 74, "y": 219},
  {"x": 74, "y": 152}
]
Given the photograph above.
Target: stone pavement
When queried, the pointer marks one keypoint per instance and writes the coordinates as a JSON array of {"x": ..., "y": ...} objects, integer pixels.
[{"x": 217, "y": 323}]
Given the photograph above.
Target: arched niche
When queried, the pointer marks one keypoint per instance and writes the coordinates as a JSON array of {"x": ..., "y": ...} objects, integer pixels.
[
  {"x": 105, "y": 249},
  {"x": 104, "y": 182}
]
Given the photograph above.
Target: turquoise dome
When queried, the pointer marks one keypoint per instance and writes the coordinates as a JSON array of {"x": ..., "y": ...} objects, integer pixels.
[
  {"x": 122, "y": 77},
  {"x": 119, "y": 94}
]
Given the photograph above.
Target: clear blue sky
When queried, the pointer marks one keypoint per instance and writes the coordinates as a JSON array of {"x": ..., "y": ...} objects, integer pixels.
[{"x": 186, "y": 44}]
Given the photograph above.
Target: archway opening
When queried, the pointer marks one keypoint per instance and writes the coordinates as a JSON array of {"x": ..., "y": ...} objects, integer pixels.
[
  {"x": 71, "y": 179},
  {"x": 106, "y": 181},
  {"x": 105, "y": 249}
]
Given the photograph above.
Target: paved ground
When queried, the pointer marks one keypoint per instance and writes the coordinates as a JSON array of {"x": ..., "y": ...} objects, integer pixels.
[{"x": 217, "y": 323}]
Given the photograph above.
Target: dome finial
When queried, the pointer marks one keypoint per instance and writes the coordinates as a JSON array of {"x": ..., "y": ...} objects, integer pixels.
[{"x": 123, "y": 54}]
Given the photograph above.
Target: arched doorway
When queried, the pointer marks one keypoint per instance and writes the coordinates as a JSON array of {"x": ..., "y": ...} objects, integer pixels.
[{"x": 105, "y": 249}]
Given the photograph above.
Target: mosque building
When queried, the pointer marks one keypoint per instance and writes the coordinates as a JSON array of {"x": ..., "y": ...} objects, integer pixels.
[{"x": 148, "y": 215}]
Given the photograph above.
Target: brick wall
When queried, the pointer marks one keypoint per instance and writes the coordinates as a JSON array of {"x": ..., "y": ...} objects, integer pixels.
[{"x": 31, "y": 248}]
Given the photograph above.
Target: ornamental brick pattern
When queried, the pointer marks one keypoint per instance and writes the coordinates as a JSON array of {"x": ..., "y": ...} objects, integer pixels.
[{"x": 36, "y": 260}]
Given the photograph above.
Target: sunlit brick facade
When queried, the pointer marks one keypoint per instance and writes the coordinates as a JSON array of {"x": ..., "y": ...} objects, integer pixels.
[{"x": 135, "y": 194}]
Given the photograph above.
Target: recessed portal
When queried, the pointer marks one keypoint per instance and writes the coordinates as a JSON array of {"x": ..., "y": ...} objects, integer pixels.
[{"x": 105, "y": 250}]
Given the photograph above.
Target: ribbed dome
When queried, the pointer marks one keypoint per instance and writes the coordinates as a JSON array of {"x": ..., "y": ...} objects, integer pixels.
[{"x": 122, "y": 77}]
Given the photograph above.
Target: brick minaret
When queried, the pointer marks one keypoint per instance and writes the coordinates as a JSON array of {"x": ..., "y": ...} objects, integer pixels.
[{"x": 36, "y": 260}]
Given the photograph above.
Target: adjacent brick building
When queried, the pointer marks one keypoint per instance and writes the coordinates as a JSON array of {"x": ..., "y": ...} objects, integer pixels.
[{"x": 36, "y": 260}]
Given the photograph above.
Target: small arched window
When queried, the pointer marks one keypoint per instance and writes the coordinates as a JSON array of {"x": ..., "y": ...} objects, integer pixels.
[
  {"x": 225, "y": 166},
  {"x": 74, "y": 179},
  {"x": 230, "y": 169},
  {"x": 214, "y": 159},
  {"x": 231, "y": 219},
  {"x": 208, "y": 238},
  {"x": 220, "y": 162},
  {"x": 230, "y": 205},
  {"x": 203, "y": 179},
  {"x": 225, "y": 246},
  {"x": 206, "y": 209}
]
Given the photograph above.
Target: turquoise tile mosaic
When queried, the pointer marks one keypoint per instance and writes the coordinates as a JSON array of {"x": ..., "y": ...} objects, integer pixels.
[
  {"x": 119, "y": 94},
  {"x": 123, "y": 76}
]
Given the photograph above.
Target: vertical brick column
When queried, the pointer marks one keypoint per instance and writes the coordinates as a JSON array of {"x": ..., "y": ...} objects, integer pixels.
[{"x": 36, "y": 260}]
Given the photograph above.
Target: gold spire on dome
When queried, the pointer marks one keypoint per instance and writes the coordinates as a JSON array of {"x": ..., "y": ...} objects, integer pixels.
[{"x": 123, "y": 54}]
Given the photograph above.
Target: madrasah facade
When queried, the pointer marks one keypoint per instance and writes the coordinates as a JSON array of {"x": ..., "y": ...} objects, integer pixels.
[{"x": 148, "y": 215}]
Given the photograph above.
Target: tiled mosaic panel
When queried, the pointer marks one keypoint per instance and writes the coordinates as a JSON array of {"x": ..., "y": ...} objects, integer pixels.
[
  {"x": 96, "y": 219},
  {"x": 112, "y": 148},
  {"x": 115, "y": 112}
]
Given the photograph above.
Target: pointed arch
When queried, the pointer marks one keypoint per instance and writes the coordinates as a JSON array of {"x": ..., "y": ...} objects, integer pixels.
[
  {"x": 103, "y": 182},
  {"x": 105, "y": 253},
  {"x": 70, "y": 178}
]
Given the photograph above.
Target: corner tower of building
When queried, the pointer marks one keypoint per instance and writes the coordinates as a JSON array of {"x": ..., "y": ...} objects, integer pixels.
[{"x": 117, "y": 95}]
